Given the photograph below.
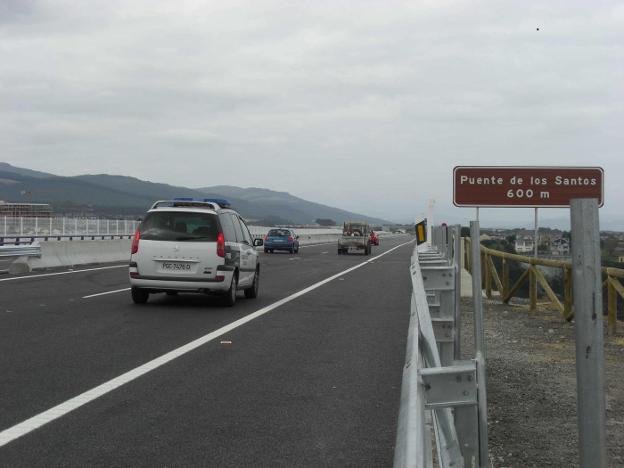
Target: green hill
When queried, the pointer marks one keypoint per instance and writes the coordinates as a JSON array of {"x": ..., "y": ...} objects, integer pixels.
[{"x": 114, "y": 195}]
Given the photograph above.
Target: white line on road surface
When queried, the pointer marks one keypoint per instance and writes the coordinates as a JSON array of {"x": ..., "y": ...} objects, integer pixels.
[
  {"x": 64, "y": 272},
  {"x": 62, "y": 409},
  {"x": 323, "y": 253},
  {"x": 107, "y": 292},
  {"x": 315, "y": 245}
]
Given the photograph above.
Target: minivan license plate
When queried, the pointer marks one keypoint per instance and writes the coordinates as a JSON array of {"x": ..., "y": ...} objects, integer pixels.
[{"x": 171, "y": 266}]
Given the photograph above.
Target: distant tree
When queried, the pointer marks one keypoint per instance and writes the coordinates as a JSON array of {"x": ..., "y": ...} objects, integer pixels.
[{"x": 326, "y": 222}]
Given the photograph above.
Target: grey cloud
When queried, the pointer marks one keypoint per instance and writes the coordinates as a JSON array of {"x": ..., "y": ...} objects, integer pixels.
[{"x": 373, "y": 101}]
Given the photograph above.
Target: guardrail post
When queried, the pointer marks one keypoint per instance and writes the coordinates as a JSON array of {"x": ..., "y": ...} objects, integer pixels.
[
  {"x": 532, "y": 290},
  {"x": 449, "y": 243},
  {"x": 567, "y": 292},
  {"x": 21, "y": 233},
  {"x": 5, "y": 226},
  {"x": 457, "y": 256},
  {"x": 505, "y": 278},
  {"x": 479, "y": 334},
  {"x": 36, "y": 225},
  {"x": 488, "y": 276},
  {"x": 611, "y": 306},
  {"x": 589, "y": 332}
]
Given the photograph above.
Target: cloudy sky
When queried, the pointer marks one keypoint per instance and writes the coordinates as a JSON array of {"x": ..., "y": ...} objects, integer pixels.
[{"x": 363, "y": 105}]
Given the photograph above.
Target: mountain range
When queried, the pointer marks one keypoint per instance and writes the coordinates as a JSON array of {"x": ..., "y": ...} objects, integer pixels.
[{"x": 116, "y": 195}]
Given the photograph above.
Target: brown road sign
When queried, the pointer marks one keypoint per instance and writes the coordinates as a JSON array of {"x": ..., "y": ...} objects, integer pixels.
[{"x": 525, "y": 187}]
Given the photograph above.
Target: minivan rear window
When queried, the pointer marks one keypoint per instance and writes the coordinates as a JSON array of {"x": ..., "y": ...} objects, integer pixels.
[{"x": 180, "y": 227}]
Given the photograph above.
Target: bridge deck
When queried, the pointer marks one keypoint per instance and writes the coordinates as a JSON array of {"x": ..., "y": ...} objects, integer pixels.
[{"x": 314, "y": 382}]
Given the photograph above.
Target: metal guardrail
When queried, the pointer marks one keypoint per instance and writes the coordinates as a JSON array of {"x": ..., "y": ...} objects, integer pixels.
[
  {"x": 11, "y": 226},
  {"x": 441, "y": 394},
  {"x": 22, "y": 240},
  {"x": 20, "y": 250}
]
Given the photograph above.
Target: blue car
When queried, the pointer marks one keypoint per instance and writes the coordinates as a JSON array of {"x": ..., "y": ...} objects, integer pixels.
[{"x": 281, "y": 239}]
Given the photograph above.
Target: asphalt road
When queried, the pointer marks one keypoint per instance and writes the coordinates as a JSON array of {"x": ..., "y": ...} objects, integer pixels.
[{"x": 314, "y": 381}]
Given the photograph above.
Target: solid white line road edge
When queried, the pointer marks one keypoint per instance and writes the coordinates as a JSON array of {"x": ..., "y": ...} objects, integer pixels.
[
  {"x": 62, "y": 409},
  {"x": 125, "y": 265},
  {"x": 106, "y": 292}
]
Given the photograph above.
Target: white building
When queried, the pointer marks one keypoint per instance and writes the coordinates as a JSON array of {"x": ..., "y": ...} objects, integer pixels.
[
  {"x": 560, "y": 246},
  {"x": 524, "y": 244}
]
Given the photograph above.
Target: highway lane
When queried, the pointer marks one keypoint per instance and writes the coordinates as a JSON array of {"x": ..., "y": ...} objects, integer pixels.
[
  {"x": 264, "y": 388},
  {"x": 50, "y": 333}
]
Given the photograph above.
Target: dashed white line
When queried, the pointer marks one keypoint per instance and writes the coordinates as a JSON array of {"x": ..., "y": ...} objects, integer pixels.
[
  {"x": 62, "y": 409},
  {"x": 63, "y": 272},
  {"x": 106, "y": 292}
]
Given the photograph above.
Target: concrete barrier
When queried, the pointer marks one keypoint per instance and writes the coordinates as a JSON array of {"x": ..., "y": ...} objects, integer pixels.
[
  {"x": 317, "y": 238},
  {"x": 60, "y": 254},
  {"x": 69, "y": 253}
]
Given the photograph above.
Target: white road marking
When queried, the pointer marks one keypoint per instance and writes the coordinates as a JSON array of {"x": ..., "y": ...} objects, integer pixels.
[
  {"x": 107, "y": 292},
  {"x": 63, "y": 272},
  {"x": 320, "y": 243},
  {"x": 62, "y": 409},
  {"x": 294, "y": 258},
  {"x": 323, "y": 253}
]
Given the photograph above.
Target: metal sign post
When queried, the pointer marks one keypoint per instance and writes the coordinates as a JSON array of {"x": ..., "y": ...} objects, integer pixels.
[
  {"x": 581, "y": 188},
  {"x": 429, "y": 218},
  {"x": 536, "y": 240},
  {"x": 589, "y": 332},
  {"x": 479, "y": 332}
]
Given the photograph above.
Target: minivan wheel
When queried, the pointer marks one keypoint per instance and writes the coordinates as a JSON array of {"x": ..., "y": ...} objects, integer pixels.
[
  {"x": 230, "y": 296},
  {"x": 139, "y": 296},
  {"x": 252, "y": 293}
]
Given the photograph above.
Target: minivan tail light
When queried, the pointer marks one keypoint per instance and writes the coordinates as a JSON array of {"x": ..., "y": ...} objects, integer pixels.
[
  {"x": 135, "y": 242},
  {"x": 290, "y": 238},
  {"x": 266, "y": 237},
  {"x": 221, "y": 245}
]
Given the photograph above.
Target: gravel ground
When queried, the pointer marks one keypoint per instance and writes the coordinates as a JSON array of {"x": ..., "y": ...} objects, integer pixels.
[{"x": 531, "y": 387}]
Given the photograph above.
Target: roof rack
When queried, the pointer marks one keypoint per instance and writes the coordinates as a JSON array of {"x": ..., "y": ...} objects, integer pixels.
[{"x": 188, "y": 202}]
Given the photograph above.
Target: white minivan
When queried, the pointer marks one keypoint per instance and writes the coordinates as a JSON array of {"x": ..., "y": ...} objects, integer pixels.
[{"x": 191, "y": 245}]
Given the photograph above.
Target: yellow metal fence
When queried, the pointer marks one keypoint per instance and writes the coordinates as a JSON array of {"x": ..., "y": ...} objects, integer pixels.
[{"x": 562, "y": 301}]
